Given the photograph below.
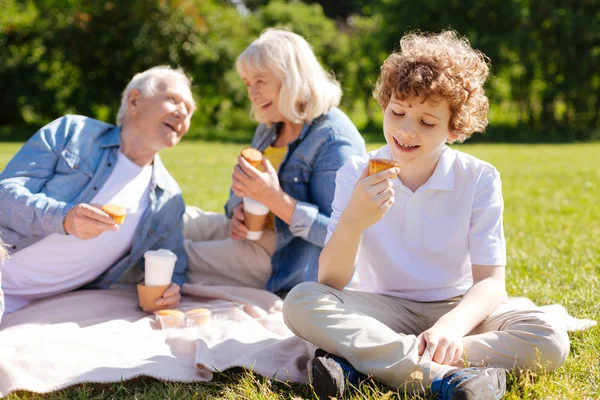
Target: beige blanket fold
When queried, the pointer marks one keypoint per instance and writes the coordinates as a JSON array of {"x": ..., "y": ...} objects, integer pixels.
[{"x": 102, "y": 336}]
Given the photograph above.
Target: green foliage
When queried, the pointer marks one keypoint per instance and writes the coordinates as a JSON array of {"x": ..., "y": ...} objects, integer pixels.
[
  {"x": 61, "y": 56},
  {"x": 545, "y": 57}
]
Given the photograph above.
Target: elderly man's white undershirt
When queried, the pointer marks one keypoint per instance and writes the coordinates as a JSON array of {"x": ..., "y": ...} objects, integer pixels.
[{"x": 61, "y": 263}]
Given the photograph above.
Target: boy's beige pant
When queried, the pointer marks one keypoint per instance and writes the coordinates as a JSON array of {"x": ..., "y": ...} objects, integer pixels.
[
  {"x": 215, "y": 259},
  {"x": 377, "y": 333}
]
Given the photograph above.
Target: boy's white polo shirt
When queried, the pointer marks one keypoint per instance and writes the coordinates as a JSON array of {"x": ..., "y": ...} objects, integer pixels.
[{"x": 423, "y": 247}]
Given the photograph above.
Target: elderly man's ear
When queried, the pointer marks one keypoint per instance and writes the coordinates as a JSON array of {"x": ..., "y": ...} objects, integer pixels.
[{"x": 133, "y": 98}]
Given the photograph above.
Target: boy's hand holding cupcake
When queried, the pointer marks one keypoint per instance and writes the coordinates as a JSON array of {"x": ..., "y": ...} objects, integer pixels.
[{"x": 373, "y": 194}]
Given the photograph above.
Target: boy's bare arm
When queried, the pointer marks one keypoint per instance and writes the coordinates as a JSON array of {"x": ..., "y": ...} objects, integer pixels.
[
  {"x": 337, "y": 260},
  {"x": 371, "y": 198},
  {"x": 486, "y": 294}
]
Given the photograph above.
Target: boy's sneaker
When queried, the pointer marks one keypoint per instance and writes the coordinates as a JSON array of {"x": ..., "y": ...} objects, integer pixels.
[
  {"x": 329, "y": 373},
  {"x": 471, "y": 384}
]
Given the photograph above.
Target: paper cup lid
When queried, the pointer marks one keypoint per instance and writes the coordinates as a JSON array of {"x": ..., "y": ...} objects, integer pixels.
[{"x": 160, "y": 253}]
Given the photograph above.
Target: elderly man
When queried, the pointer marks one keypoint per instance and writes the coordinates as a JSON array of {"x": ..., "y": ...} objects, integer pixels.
[
  {"x": 3, "y": 255},
  {"x": 51, "y": 191}
]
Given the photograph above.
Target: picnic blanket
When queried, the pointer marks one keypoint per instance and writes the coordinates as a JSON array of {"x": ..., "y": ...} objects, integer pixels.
[{"x": 102, "y": 336}]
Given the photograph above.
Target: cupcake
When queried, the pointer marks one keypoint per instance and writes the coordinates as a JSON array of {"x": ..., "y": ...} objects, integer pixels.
[
  {"x": 117, "y": 213},
  {"x": 170, "y": 318},
  {"x": 380, "y": 164},
  {"x": 198, "y": 316},
  {"x": 252, "y": 155}
]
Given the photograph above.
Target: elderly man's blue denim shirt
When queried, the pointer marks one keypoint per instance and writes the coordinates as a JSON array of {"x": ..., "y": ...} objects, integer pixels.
[
  {"x": 307, "y": 173},
  {"x": 65, "y": 163}
]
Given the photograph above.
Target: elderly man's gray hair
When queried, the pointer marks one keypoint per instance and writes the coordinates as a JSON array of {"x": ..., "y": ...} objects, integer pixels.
[{"x": 147, "y": 83}]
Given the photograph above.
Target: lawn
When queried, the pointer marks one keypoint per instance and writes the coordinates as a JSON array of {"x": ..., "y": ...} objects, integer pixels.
[{"x": 552, "y": 225}]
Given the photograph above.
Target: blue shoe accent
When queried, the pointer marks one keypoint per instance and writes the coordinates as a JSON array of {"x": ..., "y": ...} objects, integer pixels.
[
  {"x": 351, "y": 374},
  {"x": 444, "y": 388},
  {"x": 471, "y": 384}
]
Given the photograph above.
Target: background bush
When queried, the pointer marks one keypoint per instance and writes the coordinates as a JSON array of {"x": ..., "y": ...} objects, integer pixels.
[{"x": 76, "y": 56}]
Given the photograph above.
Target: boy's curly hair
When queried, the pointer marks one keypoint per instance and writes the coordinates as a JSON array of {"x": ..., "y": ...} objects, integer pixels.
[{"x": 434, "y": 67}]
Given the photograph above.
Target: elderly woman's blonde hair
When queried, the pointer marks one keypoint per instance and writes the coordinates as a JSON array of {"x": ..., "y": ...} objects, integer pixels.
[
  {"x": 147, "y": 83},
  {"x": 307, "y": 90},
  {"x": 435, "y": 66}
]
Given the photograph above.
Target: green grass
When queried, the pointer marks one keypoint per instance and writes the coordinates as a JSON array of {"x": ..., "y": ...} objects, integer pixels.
[{"x": 552, "y": 224}]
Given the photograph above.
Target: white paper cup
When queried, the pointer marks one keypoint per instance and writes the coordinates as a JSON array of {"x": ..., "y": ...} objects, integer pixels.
[
  {"x": 159, "y": 266},
  {"x": 255, "y": 214}
]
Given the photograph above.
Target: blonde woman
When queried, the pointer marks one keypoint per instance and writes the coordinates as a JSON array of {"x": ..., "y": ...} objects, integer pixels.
[{"x": 305, "y": 139}]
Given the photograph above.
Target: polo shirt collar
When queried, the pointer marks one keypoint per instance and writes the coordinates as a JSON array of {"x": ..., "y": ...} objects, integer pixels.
[{"x": 443, "y": 175}]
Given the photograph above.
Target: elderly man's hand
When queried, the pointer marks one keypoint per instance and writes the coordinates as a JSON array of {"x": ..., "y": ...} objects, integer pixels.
[
  {"x": 85, "y": 221},
  {"x": 170, "y": 298}
]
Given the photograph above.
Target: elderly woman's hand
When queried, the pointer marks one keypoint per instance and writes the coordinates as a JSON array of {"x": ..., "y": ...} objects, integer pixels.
[
  {"x": 238, "y": 229},
  {"x": 250, "y": 182}
]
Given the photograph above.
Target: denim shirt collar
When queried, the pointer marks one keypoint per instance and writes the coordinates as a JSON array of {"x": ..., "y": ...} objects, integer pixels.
[
  {"x": 160, "y": 177},
  {"x": 268, "y": 135},
  {"x": 304, "y": 131},
  {"x": 112, "y": 138}
]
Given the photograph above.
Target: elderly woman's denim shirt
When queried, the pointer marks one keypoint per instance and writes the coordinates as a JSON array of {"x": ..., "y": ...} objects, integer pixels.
[
  {"x": 64, "y": 164},
  {"x": 307, "y": 173}
]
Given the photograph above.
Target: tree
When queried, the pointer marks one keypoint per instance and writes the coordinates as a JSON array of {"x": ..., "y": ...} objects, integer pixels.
[{"x": 545, "y": 57}]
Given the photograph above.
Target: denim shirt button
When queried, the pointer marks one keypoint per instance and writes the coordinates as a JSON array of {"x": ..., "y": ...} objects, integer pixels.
[
  {"x": 110, "y": 164},
  {"x": 295, "y": 179},
  {"x": 13, "y": 247},
  {"x": 75, "y": 166},
  {"x": 95, "y": 187}
]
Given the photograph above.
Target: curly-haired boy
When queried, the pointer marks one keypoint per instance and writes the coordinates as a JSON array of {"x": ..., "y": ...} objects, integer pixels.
[{"x": 425, "y": 245}]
